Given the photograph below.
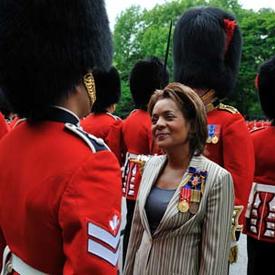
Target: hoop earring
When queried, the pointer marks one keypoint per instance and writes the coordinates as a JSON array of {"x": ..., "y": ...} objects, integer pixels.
[{"x": 89, "y": 83}]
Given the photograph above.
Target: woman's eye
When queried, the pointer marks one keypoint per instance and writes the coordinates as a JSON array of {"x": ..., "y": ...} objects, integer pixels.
[
  {"x": 154, "y": 120},
  {"x": 169, "y": 117}
]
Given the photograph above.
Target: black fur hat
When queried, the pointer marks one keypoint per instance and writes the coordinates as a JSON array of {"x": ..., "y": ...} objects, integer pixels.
[
  {"x": 5, "y": 107},
  {"x": 207, "y": 50},
  {"x": 266, "y": 87},
  {"x": 108, "y": 89},
  {"x": 46, "y": 47},
  {"x": 146, "y": 76}
]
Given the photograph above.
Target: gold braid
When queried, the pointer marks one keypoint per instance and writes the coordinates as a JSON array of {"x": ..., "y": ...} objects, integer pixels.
[{"x": 89, "y": 83}]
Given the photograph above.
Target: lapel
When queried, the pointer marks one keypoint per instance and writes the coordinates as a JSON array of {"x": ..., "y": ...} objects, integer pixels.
[
  {"x": 149, "y": 181},
  {"x": 172, "y": 208}
]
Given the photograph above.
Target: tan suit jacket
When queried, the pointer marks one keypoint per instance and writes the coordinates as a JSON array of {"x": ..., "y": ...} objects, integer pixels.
[{"x": 183, "y": 244}]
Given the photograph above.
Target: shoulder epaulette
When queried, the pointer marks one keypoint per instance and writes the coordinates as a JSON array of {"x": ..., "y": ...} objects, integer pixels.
[
  {"x": 96, "y": 144},
  {"x": 228, "y": 108}
]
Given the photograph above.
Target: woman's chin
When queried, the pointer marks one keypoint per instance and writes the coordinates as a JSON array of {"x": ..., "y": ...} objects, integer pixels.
[{"x": 162, "y": 145}]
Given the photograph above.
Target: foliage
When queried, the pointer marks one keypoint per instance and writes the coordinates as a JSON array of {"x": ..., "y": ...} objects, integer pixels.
[
  {"x": 258, "y": 30},
  {"x": 140, "y": 33}
]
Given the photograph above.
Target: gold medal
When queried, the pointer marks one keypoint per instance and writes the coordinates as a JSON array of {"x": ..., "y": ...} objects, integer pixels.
[
  {"x": 195, "y": 196},
  {"x": 215, "y": 139},
  {"x": 209, "y": 140},
  {"x": 193, "y": 208},
  {"x": 183, "y": 206}
]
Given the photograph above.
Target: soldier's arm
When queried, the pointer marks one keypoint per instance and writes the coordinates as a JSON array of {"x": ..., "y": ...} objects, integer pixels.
[{"x": 89, "y": 217}]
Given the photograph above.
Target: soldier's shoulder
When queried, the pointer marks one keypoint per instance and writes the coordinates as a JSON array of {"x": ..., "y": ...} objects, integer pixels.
[
  {"x": 228, "y": 108},
  {"x": 94, "y": 143}
]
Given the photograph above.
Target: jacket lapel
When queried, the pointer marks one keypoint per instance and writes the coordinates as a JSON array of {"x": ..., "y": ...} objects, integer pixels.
[{"x": 148, "y": 181}]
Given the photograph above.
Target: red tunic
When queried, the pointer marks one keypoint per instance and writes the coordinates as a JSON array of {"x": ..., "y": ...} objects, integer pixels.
[
  {"x": 3, "y": 126},
  {"x": 138, "y": 140},
  {"x": 60, "y": 205},
  {"x": 260, "y": 222},
  {"x": 107, "y": 127},
  {"x": 233, "y": 149},
  {"x": 137, "y": 133},
  {"x": 15, "y": 121}
]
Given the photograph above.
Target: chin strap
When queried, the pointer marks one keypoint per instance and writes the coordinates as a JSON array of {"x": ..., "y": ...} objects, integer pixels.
[{"x": 210, "y": 100}]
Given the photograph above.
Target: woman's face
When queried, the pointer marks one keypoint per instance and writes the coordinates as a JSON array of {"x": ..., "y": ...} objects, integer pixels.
[{"x": 170, "y": 128}]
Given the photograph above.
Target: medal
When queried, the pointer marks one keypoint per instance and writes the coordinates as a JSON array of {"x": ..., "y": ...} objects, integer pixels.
[
  {"x": 195, "y": 180},
  {"x": 191, "y": 191},
  {"x": 194, "y": 207},
  {"x": 213, "y": 133},
  {"x": 196, "y": 196},
  {"x": 185, "y": 195},
  {"x": 195, "y": 201},
  {"x": 183, "y": 206},
  {"x": 215, "y": 140},
  {"x": 209, "y": 140}
]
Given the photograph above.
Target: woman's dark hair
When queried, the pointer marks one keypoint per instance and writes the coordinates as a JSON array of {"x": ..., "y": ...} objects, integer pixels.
[{"x": 192, "y": 109}]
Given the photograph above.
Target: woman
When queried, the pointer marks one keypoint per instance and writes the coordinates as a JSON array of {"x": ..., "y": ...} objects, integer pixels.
[
  {"x": 181, "y": 223},
  {"x": 146, "y": 76}
]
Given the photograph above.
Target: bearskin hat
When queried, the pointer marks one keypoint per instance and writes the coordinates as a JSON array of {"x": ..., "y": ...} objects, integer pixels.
[
  {"x": 207, "y": 50},
  {"x": 47, "y": 46},
  {"x": 5, "y": 107},
  {"x": 266, "y": 87},
  {"x": 146, "y": 76},
  {"x": 108, "y": 89}
]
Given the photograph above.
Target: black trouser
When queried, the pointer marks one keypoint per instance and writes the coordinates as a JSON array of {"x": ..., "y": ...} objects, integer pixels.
[
  {"x": 261, "y": 257},
  {"x": 130, "y": 204}
]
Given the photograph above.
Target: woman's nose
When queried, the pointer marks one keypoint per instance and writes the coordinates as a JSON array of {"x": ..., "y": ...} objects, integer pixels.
[{"x": 160, "y": 122}]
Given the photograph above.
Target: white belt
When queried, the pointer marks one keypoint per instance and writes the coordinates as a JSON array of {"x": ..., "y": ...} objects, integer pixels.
[
  {"x": 127, "y": 158},
  {"x": 18, "y": 265},
  {"x": 257, "y": 187},
  {"x": 131, "y": 156},
  {"x": 265, "y": 188}
]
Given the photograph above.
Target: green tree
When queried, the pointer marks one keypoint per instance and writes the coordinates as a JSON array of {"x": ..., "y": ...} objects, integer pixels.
[
  {"x": 258, "y": 30},
  {"x": 139, "y": 33}
]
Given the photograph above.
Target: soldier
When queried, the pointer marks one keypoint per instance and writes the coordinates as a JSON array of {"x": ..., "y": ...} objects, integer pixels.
[
  {"x": 146, "y": 76},
  {"x": 207, "y": 51},
  {"x": 61, "y": 188},
  {"x": 260, "y": 214},
  {"x": 101, "y": 122}
]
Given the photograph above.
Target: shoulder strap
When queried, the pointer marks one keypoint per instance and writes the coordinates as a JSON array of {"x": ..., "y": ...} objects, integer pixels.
[
  {"x": 228, "y": 108},
  {"x": 95, "y": 144}
]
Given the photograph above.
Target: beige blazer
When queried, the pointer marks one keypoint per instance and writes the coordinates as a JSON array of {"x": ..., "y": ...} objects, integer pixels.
[{"x": 183, "y": 244}]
